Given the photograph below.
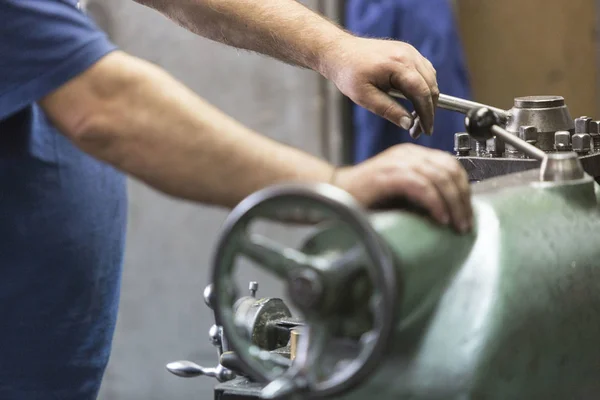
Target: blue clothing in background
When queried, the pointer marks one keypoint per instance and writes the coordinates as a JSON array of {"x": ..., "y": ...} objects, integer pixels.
[
  {"x": 429, "y": 26},
  {"x": 62, "y": 214}
]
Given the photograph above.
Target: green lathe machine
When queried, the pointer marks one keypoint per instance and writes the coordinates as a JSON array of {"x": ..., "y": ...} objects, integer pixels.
[{"x": 393, "y": 306}]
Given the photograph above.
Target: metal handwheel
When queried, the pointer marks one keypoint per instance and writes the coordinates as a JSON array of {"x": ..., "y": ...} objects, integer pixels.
[{"x": 310, "y": 281}]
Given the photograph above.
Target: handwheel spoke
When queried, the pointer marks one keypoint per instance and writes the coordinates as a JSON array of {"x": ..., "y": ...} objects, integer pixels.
[
  {"x": 348, "y": 263},
  {"x": 278, "y": 259}
]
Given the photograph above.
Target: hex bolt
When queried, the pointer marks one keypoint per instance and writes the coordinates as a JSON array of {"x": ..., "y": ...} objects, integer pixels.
[
  {"x": 582, "y": 124},
  {"x": 462, "y": 144},
  {"x": 594, "y": 127},
  {"x": 495, "y": 147},
  {"x": 581, "y": 143},
  {"x": 562, "y": 141},
  {"x": 528, "y": 134},
  {"x": 480, "y": 147}
]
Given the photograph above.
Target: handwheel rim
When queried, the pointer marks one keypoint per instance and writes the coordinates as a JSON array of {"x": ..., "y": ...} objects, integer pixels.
[{"x": 384, "y": 276}]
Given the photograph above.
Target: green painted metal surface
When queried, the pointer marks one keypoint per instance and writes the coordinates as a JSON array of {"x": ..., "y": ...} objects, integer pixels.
[{"x": 511, "y": 311}]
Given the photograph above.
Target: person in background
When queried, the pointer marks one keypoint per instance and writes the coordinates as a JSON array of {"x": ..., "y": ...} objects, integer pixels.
[
  {"x": 430, "y": 26},
  {"x": 76, "y": 114}
]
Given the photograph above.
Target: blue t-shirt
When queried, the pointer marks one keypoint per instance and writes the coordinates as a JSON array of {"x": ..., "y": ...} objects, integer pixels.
[{"x": 62, "y": 214}]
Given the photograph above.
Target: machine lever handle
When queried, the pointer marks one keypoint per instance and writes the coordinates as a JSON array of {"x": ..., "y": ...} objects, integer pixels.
[
  {"x": 482, "y": 124},
  {"x": 188, "y": 369},
  {"x": 457, "y": 104}
]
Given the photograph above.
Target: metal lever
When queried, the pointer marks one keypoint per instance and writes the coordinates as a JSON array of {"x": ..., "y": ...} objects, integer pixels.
[
  {"x": 482, "y": 124},
  {"x": 188, "y": 369},
  {"x": 459, "y": 105}
]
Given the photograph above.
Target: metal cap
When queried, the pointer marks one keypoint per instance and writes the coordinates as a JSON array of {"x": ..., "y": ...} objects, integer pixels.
[
  {"x": 581, "y": 142},
  {"x": 539, "y": 101},
  {"x": 582, "y": 124},
  {"x": 557, "y": 167},
  {"x": 562, "y": 141}
]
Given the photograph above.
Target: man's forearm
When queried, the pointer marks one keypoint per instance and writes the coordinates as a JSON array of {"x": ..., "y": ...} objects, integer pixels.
[
  {"x": 283, "y": 29},
  {"x": 134, "y": 116}
]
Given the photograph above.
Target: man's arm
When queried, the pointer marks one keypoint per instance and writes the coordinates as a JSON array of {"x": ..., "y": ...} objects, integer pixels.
[
  {"x": 131, "y": 114},
  {"x": 363, "y": 69},
  {"x": 134, "y": 116},
  {"x": 282, "y": 29}
]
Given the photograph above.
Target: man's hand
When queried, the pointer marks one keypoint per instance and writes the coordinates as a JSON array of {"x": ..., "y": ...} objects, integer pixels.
[
  {"x": 363, "y": 69},
  {"x": 430, "y": 178},
  {"x": 366, "y": 69}
]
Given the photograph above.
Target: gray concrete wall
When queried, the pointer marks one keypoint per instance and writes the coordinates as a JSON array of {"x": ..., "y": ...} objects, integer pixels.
[{"x": 170, "y": 243}]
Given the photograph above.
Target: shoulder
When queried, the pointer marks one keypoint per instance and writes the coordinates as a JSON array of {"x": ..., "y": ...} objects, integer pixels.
[{"x": 44, "y": 44}]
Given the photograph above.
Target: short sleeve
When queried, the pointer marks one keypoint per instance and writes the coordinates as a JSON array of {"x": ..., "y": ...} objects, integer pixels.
[{"x": 43, "y": 44}]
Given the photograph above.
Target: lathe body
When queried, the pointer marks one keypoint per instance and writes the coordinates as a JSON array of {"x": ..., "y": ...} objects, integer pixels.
[
  {"x": 417, "y": 311},
  {"x": 510, "y": 312}
]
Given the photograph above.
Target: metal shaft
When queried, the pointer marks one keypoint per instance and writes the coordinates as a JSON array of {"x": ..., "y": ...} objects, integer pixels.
[
  {"x": 457, "y": 104},
  {"x": 518, "y": 143}
]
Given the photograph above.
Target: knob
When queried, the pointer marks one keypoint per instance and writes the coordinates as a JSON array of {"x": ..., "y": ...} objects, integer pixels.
[
  {"x": 582, "y": 143},
  {"x": 562, "y": 141},
  {"x": 209, "y": 296},
  {"x": 462, "y": 144},
  {"x": 214, "y": 335},
  {"x": 253, "y": 287},
  {"x": 479, "y": 123}
]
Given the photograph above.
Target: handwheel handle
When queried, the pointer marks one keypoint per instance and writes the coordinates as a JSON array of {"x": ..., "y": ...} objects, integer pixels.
[{"x": 304, "y": 272}]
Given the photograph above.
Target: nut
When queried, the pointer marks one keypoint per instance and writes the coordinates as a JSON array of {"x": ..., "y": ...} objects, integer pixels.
[
  {"x": 562, "y": 141},
  {"x": 462, "y": 143},
  {"x": 582, "y": 143},
  {"x": 582, "y": 124}
]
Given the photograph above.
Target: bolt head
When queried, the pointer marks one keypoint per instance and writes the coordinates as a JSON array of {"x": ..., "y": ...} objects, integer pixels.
[
  {"x": 562, "y": 140},
  {"x": 528, "y": 133},
  {"x": 462, "y": 142},
  {"x": 495, "y": 147},
  {"x": 594, "y": 128},
  {"x": 581, "y": 142},
  {"x": 582, "y": 124}
]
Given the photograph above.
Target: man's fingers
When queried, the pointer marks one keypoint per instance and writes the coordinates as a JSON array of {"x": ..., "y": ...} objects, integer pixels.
[
  {"x": 420, "y": 190},
  {"x": 385, "y": 106},
  {"x": 411, "y": 83},
  {"x": 446, "y": 167},
  {"x": 428, "y": 72},
  {"x": 451, "y": 192}
]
